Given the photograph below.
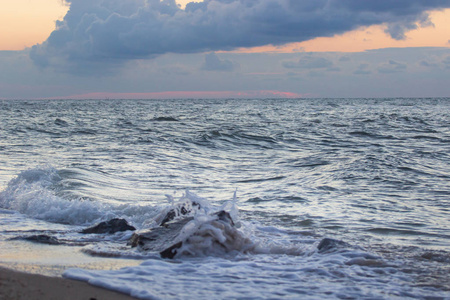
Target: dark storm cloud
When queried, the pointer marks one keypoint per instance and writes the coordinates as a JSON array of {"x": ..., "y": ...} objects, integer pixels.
[{"x": 95, "y": 32}]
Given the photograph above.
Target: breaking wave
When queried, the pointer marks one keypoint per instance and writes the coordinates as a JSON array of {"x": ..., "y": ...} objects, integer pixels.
[{"x": 39, "y": 193}]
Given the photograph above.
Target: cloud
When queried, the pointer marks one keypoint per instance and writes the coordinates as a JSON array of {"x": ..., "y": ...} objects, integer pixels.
[
  {"x": 446, "y": 62},
  {"x": 175, "y": 70},
  {"x": 309, "y": 62},
  {"x": 398, "y": 29},
  {"x": 262, "y": 71},
  {"x": 214, "y": 63},
  {"x": 427, "y": 64},
  {"x": 392, "y": 67},
  {"x": 363, "y": 69},
  {"x": 95, "y": 33}
]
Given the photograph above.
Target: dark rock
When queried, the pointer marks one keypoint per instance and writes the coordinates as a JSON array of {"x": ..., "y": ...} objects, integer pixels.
[
  {"x": 165, "y": 239},
  {"x": 328, "y": 244},
  {"x": 40, "y": 238},
  {"x": 181, "y": 210},
  {"x": 225, "y": 216},
  {"x": 171, "y": 251},
  {"x": 111, "y": 226},
  {"x": 160, "y": 238}
]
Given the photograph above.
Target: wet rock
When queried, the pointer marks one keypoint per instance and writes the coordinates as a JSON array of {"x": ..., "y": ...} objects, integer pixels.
[
  {"x": 181, "y": 210},
  {"x": 165, "y": 239},
  {"x": 363, "y": 262},
  {"x": 225, "y": 216},
  {"x": 40, "y": 238},
  {"x": 328, "y": 244},
  {"x": 171, "y": 251},
  {"x": 160, "y": 238},
  {"x": 111, "y": 226},
  {"x": 438, "y": 256}
]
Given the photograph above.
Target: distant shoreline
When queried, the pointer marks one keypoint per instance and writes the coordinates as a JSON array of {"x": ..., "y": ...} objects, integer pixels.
[{"x": 16, "y": 285}]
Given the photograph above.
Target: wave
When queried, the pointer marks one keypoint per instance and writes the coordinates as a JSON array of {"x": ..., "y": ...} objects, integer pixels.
[
  {"x": 61, "y": 122},
  {"x": 236, "y": 137},
  {"x": 165, "y": 119},
  {"x": 365, "y": 134},
  {"x": 31, "y": 193},
  {"x": 326, "y": 273},
  {"x": 44, "y": 194},
  {"x": 39, "y": 193}
]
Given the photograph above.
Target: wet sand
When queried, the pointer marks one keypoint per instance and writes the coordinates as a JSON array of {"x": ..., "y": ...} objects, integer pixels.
[{"x": 16, "y": 285}]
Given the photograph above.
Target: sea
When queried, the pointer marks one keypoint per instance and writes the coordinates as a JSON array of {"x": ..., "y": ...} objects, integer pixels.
[{"x": 330, "y": 198}]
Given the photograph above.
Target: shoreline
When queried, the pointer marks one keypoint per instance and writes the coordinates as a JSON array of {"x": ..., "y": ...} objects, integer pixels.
[{"x": 15, "y": 285}]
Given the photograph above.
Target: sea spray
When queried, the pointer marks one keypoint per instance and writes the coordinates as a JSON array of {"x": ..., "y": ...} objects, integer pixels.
[{"x": 192, "y": 226}]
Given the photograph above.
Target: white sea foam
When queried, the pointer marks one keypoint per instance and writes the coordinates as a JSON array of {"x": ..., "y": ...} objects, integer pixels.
[
  {"x": 33, "y": 193},
  {"x": 30, "y": 194},
  {"x": 314, "y": 276}
]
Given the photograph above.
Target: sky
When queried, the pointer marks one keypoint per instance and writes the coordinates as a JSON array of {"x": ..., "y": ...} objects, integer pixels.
[{"x": 224, "y": 48}]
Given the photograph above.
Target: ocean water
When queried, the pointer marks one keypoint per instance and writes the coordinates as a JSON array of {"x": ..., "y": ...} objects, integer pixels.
[{"x": 371, "y": 174}]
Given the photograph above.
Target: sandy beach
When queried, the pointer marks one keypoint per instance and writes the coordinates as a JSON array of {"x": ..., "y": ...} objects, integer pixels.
[{"x": 18, "y": 285}]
